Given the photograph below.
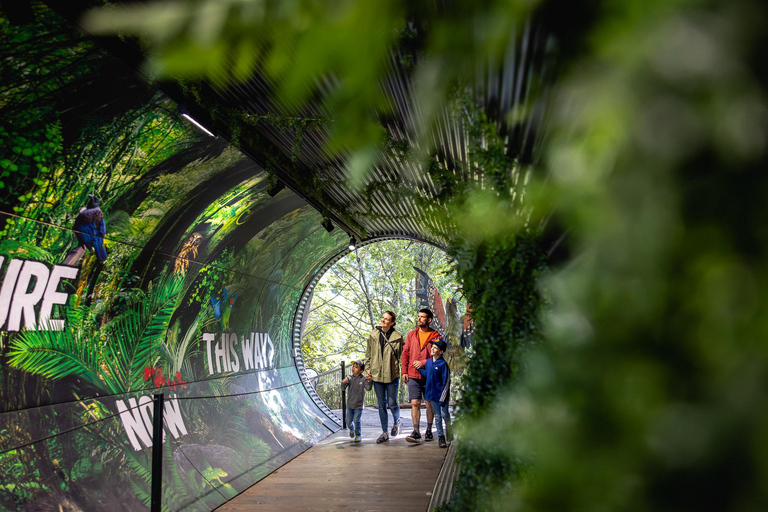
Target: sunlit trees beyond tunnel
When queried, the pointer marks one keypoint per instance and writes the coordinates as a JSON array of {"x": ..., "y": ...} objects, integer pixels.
[{"x": 351, "y": 297}]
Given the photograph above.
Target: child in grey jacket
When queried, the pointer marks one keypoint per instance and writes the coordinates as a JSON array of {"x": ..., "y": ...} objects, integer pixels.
[{"x": 357, "y": 385}]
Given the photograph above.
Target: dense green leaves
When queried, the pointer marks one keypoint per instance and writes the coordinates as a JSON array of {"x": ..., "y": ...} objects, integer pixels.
[
  {"x": 500, "y": 261},
  {"x": 649, "y": 394},
  {"x": 56, "y": 354},
  {"x": 500, "y": 280},
  {"x": 293, "y": 43}
]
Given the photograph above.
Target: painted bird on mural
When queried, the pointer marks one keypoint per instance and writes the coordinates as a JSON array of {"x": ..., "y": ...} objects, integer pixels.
[
  {"x": 468, "y": 328},
  {"x": 90, "y": 230},
  {"x": 187, "y": 252},
  {"x": 430, "y": 298},
  {"x": 223, "y": 306},
  {"x": 447, "y": 320}
]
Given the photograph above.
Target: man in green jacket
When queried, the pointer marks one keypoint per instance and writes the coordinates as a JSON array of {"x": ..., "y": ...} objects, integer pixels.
[{"x": 382, "y": 364}]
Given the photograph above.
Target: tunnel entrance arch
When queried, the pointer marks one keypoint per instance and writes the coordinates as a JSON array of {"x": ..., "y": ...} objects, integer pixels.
[{"x": 302, "y": 312}]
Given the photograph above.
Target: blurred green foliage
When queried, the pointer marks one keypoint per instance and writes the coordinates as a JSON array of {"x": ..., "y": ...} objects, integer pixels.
[
  {"x": 651, "y": 396},
  {"x": 500, "y": 279},
  {"x": 294, "y": 42},
  {"x": 330, "y": 54}
]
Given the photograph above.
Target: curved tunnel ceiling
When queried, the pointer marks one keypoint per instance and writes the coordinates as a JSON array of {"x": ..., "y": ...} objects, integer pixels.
[
  {"x": 398, "y": 197},
  {"x": 201, "y": 282}
]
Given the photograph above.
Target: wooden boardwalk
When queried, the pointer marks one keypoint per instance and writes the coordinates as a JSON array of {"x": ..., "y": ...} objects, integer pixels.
[{"x": 336, "y": 474}]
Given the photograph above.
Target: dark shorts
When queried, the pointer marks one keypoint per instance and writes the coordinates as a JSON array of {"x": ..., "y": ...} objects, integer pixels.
[{"x": 417, "y": 389}]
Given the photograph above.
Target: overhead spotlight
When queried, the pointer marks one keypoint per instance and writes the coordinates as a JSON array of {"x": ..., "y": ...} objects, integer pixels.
[
  {"x": 327, "y": 224},
  {"x": 351, "y": 243},
  {"x": 274, "y": 187}
]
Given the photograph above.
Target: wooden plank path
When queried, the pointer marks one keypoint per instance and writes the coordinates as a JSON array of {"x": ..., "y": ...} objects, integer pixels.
[{"x": 336, "y": 474}]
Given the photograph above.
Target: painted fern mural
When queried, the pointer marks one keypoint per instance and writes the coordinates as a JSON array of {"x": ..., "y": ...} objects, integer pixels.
[{"x": 112, "y": 358}]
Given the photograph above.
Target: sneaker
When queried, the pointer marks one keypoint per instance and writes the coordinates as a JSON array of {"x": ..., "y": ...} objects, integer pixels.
[
  {"x": 351, "y": 432},
  {"x": 383, "y": 438},
  {"x": 428, "y": 436},
  {"x": 395, "y": 429},
  {"x": 357, "y": 439},
  {"x": 441, "y": 442},
  {"x": 415, "y": 437}
]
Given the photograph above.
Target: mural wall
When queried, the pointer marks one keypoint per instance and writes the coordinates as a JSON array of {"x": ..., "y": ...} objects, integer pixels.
[{"x": 138, "y": 255}]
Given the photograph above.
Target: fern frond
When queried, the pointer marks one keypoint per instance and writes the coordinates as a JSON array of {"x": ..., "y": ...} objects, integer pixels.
[
  {"x": 180, "y": 351},
  {"x": 24, "y": 250},
  {"x": 136, "y": 336},
  {"x": 56, "y": 354},
  {"x": 155, "y": 319}
]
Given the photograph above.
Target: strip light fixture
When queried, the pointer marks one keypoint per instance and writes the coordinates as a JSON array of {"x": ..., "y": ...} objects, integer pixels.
[{"x": 189, "y": 118}]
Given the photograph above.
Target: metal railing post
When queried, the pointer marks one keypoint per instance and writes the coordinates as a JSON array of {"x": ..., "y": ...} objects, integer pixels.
[
  {"x": 343, "y": 398},
  {"x": 157, "y": 453}
]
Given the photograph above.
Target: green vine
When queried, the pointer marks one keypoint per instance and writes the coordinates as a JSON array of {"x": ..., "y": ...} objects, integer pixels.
[
  {"x": 499, "y": 270},
  {"x": 212, "y": 278}
]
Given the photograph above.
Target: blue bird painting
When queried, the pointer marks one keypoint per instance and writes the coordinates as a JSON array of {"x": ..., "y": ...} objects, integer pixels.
[
  {"x": 223, "y": 306},
  {"x": 90, "y": 231}
]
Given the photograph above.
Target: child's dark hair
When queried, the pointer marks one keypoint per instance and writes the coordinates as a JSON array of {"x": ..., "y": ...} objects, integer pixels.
[{"x": 392, "y": 316}]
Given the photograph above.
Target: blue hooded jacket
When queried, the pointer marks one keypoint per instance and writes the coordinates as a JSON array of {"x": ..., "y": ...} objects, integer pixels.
[{"x": 438, "y": 377}]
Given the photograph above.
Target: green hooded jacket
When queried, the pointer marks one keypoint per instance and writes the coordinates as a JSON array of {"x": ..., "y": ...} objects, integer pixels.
[{"x": 384, "y": 367}]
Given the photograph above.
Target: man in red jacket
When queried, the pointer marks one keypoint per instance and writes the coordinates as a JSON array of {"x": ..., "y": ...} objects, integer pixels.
[{"x": 416, "y": 351}]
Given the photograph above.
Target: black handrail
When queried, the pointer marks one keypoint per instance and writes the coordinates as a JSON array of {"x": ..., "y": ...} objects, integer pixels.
[
  {"x": 343, "y": 397},
  {"x": 157, "y": 453}
]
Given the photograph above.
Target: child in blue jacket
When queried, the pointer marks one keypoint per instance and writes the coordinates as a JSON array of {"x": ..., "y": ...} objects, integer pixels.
[{"x": 438, "y": 390}]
